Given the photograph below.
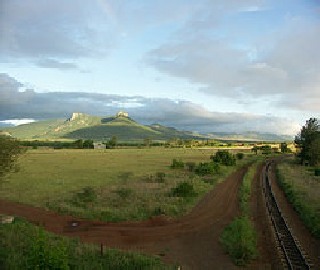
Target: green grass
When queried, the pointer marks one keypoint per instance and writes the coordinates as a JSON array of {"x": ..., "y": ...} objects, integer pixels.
[
  {"x": 302, "y": 188},
  {"x": 24, "y": 246},
  {"x": 110, "y": 185},
  {"x": 240, "y": 241},
  {"x": 239, "y": 238}
]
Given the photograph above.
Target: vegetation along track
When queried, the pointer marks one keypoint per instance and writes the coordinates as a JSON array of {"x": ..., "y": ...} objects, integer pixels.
[{"x": 291, "y": 255}]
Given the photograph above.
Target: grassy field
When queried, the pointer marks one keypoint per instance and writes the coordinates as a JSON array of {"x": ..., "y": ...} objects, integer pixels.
[
  {"x": 113, "y": 185},
  {"x": 302, "y": 189}
]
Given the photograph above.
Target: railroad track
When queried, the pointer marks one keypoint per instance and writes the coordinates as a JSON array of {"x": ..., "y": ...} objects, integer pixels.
[{"x": 291, "y": 253}]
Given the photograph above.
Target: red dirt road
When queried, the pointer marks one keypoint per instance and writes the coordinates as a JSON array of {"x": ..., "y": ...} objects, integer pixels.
[{"x": 191, "y": 241}]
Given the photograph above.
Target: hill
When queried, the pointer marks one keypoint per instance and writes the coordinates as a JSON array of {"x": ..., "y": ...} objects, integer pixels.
[{"x": 84, "y": 126}]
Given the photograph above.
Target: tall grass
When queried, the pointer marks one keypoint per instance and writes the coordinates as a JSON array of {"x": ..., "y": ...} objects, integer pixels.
[
  {"x": 302, "y": 191},
  {"x": 239, "y": 238},
  {"x": 24, "y": 246}
]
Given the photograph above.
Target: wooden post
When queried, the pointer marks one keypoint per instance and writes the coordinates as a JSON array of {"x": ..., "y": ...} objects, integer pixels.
[{"x": 101, "y": 249}]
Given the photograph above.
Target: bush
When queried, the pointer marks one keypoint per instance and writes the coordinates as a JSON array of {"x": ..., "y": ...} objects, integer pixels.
[
  {"x": 124, "y": 193},
  {"x": 240, "y": 241},
  {"x": 183, "y": 189},
  {"x": 317, "y": 172},
  {"x": 42, "y": 255},
  {"x": 191, "y": 166},
  {"x": 176, "y": 164},
  {"x": 224, "y": 158},
  {"x": 240, "y": 156},
  {"x": 87, "y": 195},
  {"x": 207, "y": 168},
  {"x": 160, "y": 177}
]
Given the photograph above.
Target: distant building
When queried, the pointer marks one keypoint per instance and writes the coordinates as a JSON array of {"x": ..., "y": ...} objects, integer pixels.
[
  {"x": 122, "y": 114},
  {"x": 99, "y": 146}
]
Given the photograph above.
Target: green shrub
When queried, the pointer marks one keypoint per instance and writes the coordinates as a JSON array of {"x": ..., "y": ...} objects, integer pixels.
[
  {"x": 160, "y": 177},
  {"x": 240, "y": 156},
  {"x": 183, "y": 189},
  {"x": 43, "y": 255},
  {"x": 176, "y": 164},
  {"x": 224, "y": 158},
  {"x": 239, "y": 239},
  {"x": 124, "y": 193},
  {"x": 317, "y": 172},
  {"x": 205, "y": 168},
  {"x": 87, "y": 195},
  {"x": 191, "y": 166}
]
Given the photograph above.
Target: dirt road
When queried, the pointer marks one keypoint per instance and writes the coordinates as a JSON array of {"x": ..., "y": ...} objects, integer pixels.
[{"x": 190, "y": 241}]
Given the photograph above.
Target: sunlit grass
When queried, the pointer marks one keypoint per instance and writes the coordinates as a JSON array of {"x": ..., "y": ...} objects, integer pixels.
[{"x": 124, "y": 181}]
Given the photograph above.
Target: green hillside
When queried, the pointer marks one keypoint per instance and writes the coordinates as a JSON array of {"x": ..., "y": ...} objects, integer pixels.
[{"x": 83, "y": 126}]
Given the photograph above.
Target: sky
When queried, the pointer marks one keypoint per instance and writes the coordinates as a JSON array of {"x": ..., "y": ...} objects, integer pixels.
[{"x": 200, "y": 65}]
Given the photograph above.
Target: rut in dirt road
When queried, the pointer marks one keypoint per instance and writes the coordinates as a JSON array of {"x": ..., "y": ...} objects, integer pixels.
[{"x": 191, "y": 241}]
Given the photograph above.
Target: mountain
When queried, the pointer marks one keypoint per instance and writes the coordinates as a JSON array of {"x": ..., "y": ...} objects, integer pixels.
[
  {"x": 84, "y": 126},
  {"x": 248, "y": 136}
]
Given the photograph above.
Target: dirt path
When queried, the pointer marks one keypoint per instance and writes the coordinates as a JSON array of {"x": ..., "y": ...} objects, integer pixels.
[
  {"x": 267, "y": 258},
  {"x": 190, "y": 241}
]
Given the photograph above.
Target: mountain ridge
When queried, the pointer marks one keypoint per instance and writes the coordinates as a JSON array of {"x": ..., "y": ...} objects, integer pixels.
[{"x": 84, "y": 126}]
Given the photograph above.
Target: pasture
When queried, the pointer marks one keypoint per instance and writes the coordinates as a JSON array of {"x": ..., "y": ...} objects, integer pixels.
[{"x": 113, "y": 185}]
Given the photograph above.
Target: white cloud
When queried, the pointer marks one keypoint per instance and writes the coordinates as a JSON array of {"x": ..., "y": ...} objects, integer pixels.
[{"x": 16, "y": 122}]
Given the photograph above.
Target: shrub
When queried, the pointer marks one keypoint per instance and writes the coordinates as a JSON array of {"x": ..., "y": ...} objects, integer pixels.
[
  {"x": 224, "y": 158},
  {"x": 240, "y": 241},
  {"x": 183, "y": 189},
  {"x": 42, "y": 255},
  {"x": 207, "y": 168},
  {"x": 124, "y": 193},
  {"x": 240, "y": 156},
  {"x": 87, "y": 195},
  {"x": 317, "y": 172},
  {"x": 160, "y": 176},
  {"x": 176, "y": 164},
  {"x": 191, "y": 166}
]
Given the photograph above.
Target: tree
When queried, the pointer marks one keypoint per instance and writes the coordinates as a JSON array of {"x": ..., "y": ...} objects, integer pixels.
[
  {"x": 113, "y": 141},
  {"x": 284, "y": 147},
  {"x": 224, "y": 158},
  {"x": 147, "y": 142},
  {"x": 9, "y": 153},
  {"x": 88, "y": 144},
  {"x": 306, "y": 141},
  {"x": 79, "y": 144}
]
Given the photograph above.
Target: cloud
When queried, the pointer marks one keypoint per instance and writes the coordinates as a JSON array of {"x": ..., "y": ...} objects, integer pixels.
[
  {"x": 52, "y": 63},
  {"x": 52, "y": 29},
  {"x": 181, "y": 114},
  {"x": 280, "y": 64}
]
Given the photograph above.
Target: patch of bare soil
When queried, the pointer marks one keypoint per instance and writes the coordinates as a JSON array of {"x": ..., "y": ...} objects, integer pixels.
[{"x": 191, "y": 241}]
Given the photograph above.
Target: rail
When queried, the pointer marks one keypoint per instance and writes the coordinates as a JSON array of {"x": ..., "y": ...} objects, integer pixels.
[{"x": 293, "y": 256}]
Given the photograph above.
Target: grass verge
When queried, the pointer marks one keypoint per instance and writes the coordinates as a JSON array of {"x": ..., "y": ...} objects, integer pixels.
[
  {"x": 239, "y": 238},
  {"x": 302, "y": 191},
  {"x": 25, "y": 246}
]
